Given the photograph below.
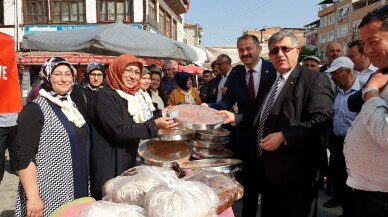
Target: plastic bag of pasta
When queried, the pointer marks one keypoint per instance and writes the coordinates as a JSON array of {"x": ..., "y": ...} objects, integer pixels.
[
  {"x": 133, "y": 189},
  {"x": 179, "y": 198},
  {"x": 227, "y": 189},
  {"x": 111, "y": 209}
]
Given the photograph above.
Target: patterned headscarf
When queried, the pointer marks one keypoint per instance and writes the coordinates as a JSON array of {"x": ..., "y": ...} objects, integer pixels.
[
  {"x": 116, "y": 70},
  {"x": 48, "y": 67},
  {"x": 91, "y": 67},
  {"x": 181, "y": 79}
]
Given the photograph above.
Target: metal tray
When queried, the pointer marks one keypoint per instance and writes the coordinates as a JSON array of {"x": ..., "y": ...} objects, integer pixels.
[
  {"x": 175, "y": 134},
  {"x": 204, "y": 153},
  {"x": 204, "y": 112},
  {"x": 164, "y": 153},
  {"x": 208, "y": 144},
  {"x": 225, "y": 165},
  {"x": 213, "y": 134}
]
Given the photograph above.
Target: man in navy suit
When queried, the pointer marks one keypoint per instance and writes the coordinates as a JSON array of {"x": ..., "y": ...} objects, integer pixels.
[
  {"x": 244, "y": 86},
  {"x": 289, "y": 123}
]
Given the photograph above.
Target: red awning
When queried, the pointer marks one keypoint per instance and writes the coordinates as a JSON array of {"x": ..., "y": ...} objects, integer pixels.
[{"x": 77, "y": 58}]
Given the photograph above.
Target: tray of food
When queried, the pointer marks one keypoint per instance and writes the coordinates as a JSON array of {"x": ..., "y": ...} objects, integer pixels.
[
  {"x": 208, "y": 144},
  {"x": 197, "y": 117},
  {"x": 204, "y": 153},
  {"x": 175, "y": 134},
  {"x": 225, "y": 165},
  {"x": 220, "y": 134},
  {"x": 164, "y": 153}
]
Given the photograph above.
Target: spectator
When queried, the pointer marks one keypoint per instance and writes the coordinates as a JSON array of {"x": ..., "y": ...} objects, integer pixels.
[
  {"x": 168, "y": 83},
  {"x": 184, "y": 93},
  {"x": 333, "y": 51},
  {"x": 207, "y": 76},
  {"x": 143, "y": 96},
  {"x": 366, "y": 144},
  {"x": 52, "y": 145},
  {"x": 155, "y": 90},
  {"x": 311, "y": 62},
  {"x": 214, "y": 68},
  {"x": 363, "y": 68}
]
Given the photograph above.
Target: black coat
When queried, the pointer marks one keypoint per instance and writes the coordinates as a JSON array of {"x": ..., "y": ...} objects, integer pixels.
[{"x": 115, "y": 151}]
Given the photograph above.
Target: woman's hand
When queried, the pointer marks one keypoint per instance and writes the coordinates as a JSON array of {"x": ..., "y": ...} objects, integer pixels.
[
  {"x": 34, "y": 206},
  {"x": 165, "y": 123},
  {"x": 230, "y": 118}
]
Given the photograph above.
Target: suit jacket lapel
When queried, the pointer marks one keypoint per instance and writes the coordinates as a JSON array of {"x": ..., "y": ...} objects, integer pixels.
[
  {"x": 266, "y": 83},
  {"x": 287, "y": 88}
]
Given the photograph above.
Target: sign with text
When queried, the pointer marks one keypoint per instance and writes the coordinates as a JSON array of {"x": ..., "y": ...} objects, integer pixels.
[
  {"x": 11, "y": 100},
  {"x": 28, "y": 29}
]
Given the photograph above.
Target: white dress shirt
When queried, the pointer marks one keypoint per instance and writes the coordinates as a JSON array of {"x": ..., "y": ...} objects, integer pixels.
[
  {"x": 364, "y": 75},
  {"x": 221, "y": 85}
]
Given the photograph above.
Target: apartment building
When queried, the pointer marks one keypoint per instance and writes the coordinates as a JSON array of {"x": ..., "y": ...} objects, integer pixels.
[
  {"x": 265, "y": 33},
  {"x": 339, "y": 20},
  {"x": 193, "y": 34},
  {"x": 19, "y": 17}
]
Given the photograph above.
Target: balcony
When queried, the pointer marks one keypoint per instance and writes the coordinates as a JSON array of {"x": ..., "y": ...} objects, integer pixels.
[{"x": 178, "y": 6}]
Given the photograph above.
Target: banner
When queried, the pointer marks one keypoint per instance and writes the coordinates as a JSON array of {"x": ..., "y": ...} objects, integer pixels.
[{"x": 10, "y": 96}]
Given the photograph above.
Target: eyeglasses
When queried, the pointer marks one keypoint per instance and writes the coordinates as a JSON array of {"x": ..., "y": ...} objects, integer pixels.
[
  {"x": 220, "y": 64},
  {"x": 58, "y": 75},
  {"x": 96, "y": 75},
  {"x": 284, "y": 49},
  {"x": 132, "y": 71}
]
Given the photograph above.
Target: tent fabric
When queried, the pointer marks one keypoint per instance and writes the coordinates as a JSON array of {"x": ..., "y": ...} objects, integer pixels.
[
  {"x": 113, "y": 39},
  {"x": 10, "y": 95}
]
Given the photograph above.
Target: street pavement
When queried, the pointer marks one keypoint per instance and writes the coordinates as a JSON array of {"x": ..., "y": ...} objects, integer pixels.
[{"x": 8, "y": 188}]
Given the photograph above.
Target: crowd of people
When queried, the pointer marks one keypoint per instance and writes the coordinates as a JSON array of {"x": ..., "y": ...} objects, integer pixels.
[{"x": 283, "y": 115}]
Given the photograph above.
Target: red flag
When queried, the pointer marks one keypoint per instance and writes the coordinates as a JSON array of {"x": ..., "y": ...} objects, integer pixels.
[
  {"x": 11, "y": 99},
  {"x": 188, "y": 5}
]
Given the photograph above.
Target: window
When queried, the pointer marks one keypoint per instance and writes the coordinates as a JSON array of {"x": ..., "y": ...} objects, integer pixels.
[
  {"x": 35, "y": 11},
  {"x": 110, "y": 10},
  {"x": 322, "y": 38},
  {"x": 355, "y": 27},
  {"x": 162, "y": 21},
  {"x": 174, "y": 30},
  {"x": 330, "y": 36},
  {"x": 168, "y": 26},
  {"x": 344, "y": 11},
  {"x": 323, "y": 21},
  {"x": 342, "y": 31},
  {"x": 152, "y": 9},
  {"x": 331, "y": 19},
  {"x": 68, "y": 11},
  {"x": 185, "y": 41}
]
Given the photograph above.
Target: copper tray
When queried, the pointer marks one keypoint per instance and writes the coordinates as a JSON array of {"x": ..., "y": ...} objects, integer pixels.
[
  {"x": 175, "y": 134},
  {"x": 164, "y": 153},
  {"x": 198, "y": 117},
  {"x": 208, "y": 144},
  {"x": 225, "y": 165}
]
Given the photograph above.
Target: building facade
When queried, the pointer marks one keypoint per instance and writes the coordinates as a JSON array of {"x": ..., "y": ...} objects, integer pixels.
[
  {"x": 264, "y": 34},
  {"x": 19, "y": 17},
  {"x": 193, "y": 33},
  {"x": 339, "y": 20}
]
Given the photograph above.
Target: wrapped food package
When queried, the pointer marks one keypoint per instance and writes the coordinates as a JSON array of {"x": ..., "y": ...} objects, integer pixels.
[
  {"x": 111, "y": 209},
  {"x": 227, "y": 189},
  {"x": 108, "y": 186},
  {"x": 133, "y": 189},
  {"x": 140, "y": 169},
  {"x": 181, "y": 199}
]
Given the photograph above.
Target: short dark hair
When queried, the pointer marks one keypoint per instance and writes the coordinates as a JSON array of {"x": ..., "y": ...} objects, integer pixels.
[
  {"x": 213, "y": 64},
  {"x": 207, "y": 72},
  {"x": 224, "y": 56},
  {"x": 333, "y": 42},
  {"x": 359, "y": 45},
  {"x": 378, "y": 14},
  {"x": 247, "y": 36}
]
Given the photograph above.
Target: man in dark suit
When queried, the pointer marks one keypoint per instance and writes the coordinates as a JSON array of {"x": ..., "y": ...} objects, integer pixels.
[
  {"x": 244, "y": 87},
  {"x": 290, "y": 120},
  {"x": 333, "y": 50},
  {"x": 217, "y": 86}
]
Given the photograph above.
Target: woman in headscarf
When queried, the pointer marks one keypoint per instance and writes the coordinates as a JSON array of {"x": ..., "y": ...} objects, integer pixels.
[
  {"x": 156, "y": 91},
  {"x": 143, "y": 95},
  {"x": 52, "y": 145},
  {"x": 184, "y": 93},
  {"x": 93, "y": 80},
  {"x": 121, "y": 122}
]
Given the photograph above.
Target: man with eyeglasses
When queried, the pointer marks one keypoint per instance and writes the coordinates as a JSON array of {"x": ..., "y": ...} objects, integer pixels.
[
  {"x": 366, "y": 144},
  {"x": 288, "y": 125},
  {"x": 167, "y": 83},
  {"x": 218, "y": 87},
  {"x": 342, "y": 73},
  {"x": 244, "y": 87}
]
